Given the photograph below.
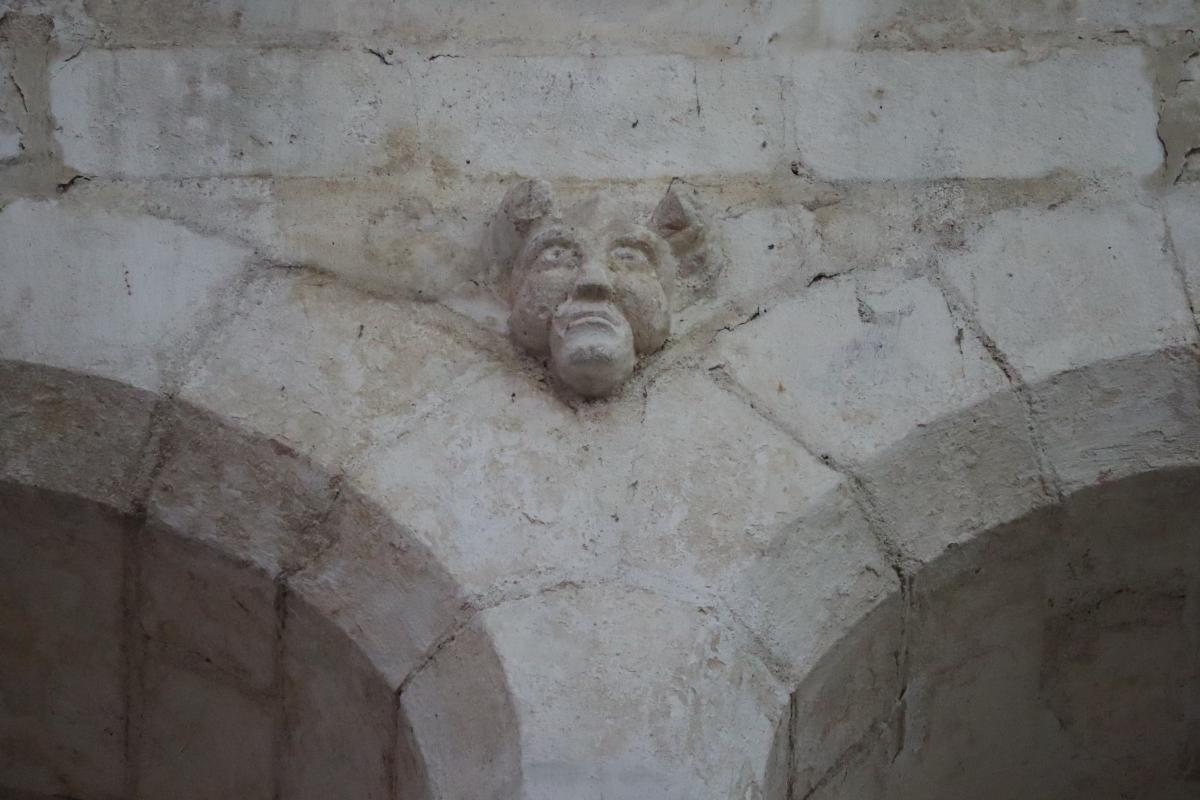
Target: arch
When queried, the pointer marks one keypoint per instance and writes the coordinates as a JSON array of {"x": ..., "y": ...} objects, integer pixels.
[
  {"x": 228, "y": 598},
  {"x": 1055, "y": 655},
  {"x": 1009, "y": 475}
]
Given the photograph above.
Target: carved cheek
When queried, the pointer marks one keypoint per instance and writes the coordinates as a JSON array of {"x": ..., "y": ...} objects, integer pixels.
[
  {"x": 645, "y": 305},
  {"x": 534, "y": 304}
]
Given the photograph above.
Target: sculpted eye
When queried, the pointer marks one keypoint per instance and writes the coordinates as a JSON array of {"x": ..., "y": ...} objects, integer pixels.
[
  {"x": 556, "y": 255},
  {"x": 629, "y": 257}
]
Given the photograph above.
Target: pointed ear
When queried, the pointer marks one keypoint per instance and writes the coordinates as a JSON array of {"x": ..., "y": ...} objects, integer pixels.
[
  {"x": 525, "y": 205},
  {"x": 677, "y": 220}
]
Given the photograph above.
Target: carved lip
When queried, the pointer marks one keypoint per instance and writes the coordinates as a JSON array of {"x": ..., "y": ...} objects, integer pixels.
[{"x": 582, "y": 316}]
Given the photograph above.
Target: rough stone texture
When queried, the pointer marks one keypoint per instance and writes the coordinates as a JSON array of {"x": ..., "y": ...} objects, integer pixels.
[
  {"x": 329, "y": 371},
  {"x": 72, "y": 433},
  {"x": 691, "y": 469},
  {"x": 592, "y": 657},
  {"x": 385, "y": 590},
  {"x": 1060, "y": 288},
  {"x": 62, "y": 707},
  {"x": 248, "y": 497},
  {"x": 197, "y": 606},
  {"x": 463, "y": 687},
  {"x": 973, "y": 114},
  {"x": 104, "y": 293},
  {"x": 958, "y": 476},
  {"x": 1103, "y": 422},
  {"x": 186, "y": 713},
  {"x": 1183, "y": 208},
  {"x": 917, "y": 446},
  {"x": 854, "y": 364},
  {"x": 10, "y": 131},
  {"x": 958, "y": 24},
  {"x": 339, "y": 714},
  {"x": 815, "y": 576},
  {"x": 489, "y": 484},
  {"x": 1043, "y": 625}
]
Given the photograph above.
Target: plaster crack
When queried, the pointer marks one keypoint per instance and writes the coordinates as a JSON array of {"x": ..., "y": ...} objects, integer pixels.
[{"x": 384, "y": 59}]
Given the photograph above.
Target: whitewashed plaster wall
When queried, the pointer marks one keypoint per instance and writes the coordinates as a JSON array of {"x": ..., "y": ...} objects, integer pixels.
[{"x": 244, "y": 320}]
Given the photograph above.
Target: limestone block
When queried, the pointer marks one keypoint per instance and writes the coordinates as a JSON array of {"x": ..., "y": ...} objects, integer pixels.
[
  {"x": 72, "y": 433},
  {"x": 977, "y": 22},
  {"x": 526, "y": 27},
  {"x": 194, "y": 112},
  {"x": 854, "y": 363},
  {"x": 976, "y": 644},
  {"x": 340, "y": 715},
  {"x": 202, "y": 738},
  {"x": 202, "y": 608},
  {"x": 462, "y": 688},
  {"x": 634, "y": 696},
  {"x": 768, "y": 249},
  {"x": 1121, "y": 417},
  {"x": 62, "y": 701},
  {"x": 169, "y": 113},
  {"x": 964, "y": 473},
  {"x": 113, "y": 295},
  {"x": 1183, "y": 209},
  {"x": 249, "y": 497},
  {"x": 385, "y": 590},
  {"x": 967, "y": 114},
  {"x": 506, "y": 485},
  {"x": 714, "y": 484},
  {"x": 813, "y": 580},
  {"x": 575, "y": 116},
  {"x": 845, "y": 708},
  {"x": 1060, "y": 288},
  {"x": 327, "y": 370},
  {"x": 10, "y": 132}
]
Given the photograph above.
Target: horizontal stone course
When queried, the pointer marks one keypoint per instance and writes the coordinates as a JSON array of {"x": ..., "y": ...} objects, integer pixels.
[
  {"x": 903, "y": 115},
  {"x": 842, "y": 115},
  {"x": 699, "y": 27}
]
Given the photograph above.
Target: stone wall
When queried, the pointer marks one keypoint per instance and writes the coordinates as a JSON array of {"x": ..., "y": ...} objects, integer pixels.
[{"x": 243, "y": 298}]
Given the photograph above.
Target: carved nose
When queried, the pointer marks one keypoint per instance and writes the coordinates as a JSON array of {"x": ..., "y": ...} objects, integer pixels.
[{"x": 594, "y": 281}]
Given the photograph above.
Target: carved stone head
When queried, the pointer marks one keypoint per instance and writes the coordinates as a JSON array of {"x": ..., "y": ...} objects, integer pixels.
[{"x": 590, "y": 288}]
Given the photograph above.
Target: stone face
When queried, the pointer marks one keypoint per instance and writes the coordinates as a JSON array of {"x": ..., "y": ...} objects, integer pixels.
[
  {"x": 884, "y": 115},
  {"x": 853, "y": 364},
  {"x": 185, "y": 714},
  {"x": 589, "y": 288},
  {"x": 62, "y": 700},
  {"x": 104, "y": 293},
  {"x": 1064, "y": 287},
  {"x": 896, "y": 500}
]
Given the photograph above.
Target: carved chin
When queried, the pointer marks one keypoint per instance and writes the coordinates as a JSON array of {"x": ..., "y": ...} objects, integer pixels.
[{"x": 592, "y": 362}]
